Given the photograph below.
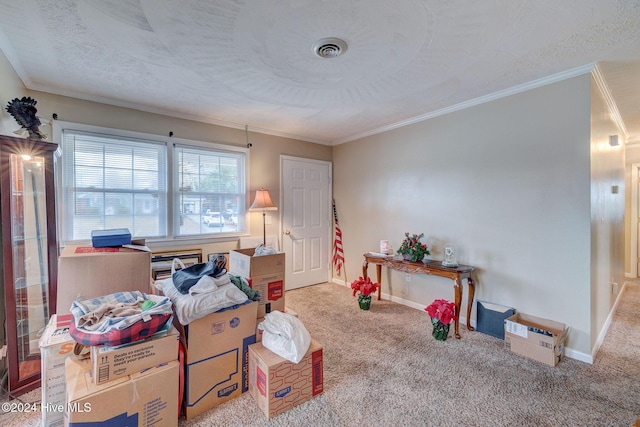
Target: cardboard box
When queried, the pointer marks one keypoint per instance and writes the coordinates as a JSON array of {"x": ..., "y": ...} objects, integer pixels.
[
  {"x": 85, "y": 272},
  {"x": 109, "y": 363},
  {"x": 55, "y": 346},
  {"x": 277, "y": 385},
  {"x": 264, "y": 273},
  {"x": 147, "y": 398},
  {"x": 490, "y": 318},
  {"x": 261, "y": 319},
  {"x": 536, "y": 338},
  {"x": 113, "y": 237},
  {"x": 243, "y": 263},
  {"x": 271, "y": 291},
  {"x": 217, "y": 362}
]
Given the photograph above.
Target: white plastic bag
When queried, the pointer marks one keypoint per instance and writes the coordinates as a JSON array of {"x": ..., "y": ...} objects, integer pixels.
[
  {"x": 263, "y": 250},
  {"x": 285, "y": 335}
]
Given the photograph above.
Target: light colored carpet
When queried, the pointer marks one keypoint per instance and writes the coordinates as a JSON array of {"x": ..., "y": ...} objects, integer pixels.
[{"x": 383, "y": 368}]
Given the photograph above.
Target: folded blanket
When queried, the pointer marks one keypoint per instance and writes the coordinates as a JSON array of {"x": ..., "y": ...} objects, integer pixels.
[
  {"x": 208, "y": 284},
  {"x": 84, "y": 320},
  {"x": 95, "y": 318}
]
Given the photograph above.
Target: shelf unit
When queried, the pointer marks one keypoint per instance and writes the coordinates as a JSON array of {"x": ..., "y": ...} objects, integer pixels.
[{"x": 29, "y": 253}]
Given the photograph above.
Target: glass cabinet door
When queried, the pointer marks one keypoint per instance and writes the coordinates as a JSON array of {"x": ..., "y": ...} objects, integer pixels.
[
  {"x": 26, "y": 259},
  {"x": 30, "y": 270}
]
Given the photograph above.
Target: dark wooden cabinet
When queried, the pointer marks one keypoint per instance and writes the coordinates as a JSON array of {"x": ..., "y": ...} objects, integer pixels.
[{"x": 29, "y": 253}]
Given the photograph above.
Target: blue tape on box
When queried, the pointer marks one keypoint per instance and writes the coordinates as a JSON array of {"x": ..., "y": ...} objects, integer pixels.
[{"x": 108, "y": 238}]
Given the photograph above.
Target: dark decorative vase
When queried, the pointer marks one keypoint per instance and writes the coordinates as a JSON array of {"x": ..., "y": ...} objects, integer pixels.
[
  {"x": 364, "y": 302},
  {"x": 440, "y": 330},
  {"x": 410, "y": 257}
]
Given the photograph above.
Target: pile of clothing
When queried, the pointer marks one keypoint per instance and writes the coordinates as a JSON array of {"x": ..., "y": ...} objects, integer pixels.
[
  {"x": 119, "y": 318},
  {"x": 204, "y": 288}
]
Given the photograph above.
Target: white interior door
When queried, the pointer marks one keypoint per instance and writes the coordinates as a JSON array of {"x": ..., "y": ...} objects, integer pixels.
[{"x": 306, "y": 220}]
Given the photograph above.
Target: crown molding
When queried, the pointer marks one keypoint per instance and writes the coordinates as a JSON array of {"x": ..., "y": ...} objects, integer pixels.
[
  {"x": 598, "y": 78},
  {"x": 172, "y": 114},
  {"x": 554, "y": 78}
]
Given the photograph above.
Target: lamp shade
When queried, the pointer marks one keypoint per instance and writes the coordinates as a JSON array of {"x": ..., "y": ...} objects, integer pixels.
[{"x": 263, "y": 202}]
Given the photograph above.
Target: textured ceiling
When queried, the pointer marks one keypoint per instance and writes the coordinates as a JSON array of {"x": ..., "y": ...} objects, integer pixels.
[{"x": 251, "y": 62}]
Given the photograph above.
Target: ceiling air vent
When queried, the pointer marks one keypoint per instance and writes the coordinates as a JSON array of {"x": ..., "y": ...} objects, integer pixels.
[{"x": 330, "y": 47}]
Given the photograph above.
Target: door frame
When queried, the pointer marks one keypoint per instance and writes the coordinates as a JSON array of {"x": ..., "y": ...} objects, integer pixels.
[
  {"x": 329, "y": 164},
  {"x": 633, "y": 265}
]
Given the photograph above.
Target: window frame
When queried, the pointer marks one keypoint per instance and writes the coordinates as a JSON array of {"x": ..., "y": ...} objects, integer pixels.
[{"x": 171, "y": 214}]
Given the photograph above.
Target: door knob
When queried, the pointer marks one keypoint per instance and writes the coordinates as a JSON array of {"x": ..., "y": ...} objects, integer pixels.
[{"x": 287, "y": 232}]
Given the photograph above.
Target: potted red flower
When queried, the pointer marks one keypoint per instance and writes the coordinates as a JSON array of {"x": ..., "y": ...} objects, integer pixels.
[
  {"x": 364, "y": 288},
  {"x": 412, "y": 249},
  {"x": 442, "y": 313}
]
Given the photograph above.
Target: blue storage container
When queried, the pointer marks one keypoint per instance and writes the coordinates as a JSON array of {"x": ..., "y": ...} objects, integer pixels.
[
  {"x": 490, "y": 318},
  {"x": 113, "y": 237}
]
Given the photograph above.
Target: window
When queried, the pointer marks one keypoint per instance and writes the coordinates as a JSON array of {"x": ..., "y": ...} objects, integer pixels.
[
  {"x": 209, "y": 189},
  {"x": 112, "y": 181}
]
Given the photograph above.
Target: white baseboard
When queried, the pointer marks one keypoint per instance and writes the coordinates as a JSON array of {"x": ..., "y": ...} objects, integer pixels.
[
  {"x": 421, "y": 307},
  {"x": 338, "y": 281},
  {"x": 568, "y": 352},
  {"x": 607, "y": 323},
  {"x": 578, "y": 355}
]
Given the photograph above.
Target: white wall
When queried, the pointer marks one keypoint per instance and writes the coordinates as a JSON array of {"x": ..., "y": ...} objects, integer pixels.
[
  {"x": 607, "y": 213},
  {"x": 507, "y": 183},
  {"x": 10, "y": 87}
]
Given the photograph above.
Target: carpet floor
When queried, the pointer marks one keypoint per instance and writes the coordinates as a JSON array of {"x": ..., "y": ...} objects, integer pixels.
[{"x": 383, "y": 368}]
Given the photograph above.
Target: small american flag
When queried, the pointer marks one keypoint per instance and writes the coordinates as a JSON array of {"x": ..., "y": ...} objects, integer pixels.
[{"x": 338, "y": 254}]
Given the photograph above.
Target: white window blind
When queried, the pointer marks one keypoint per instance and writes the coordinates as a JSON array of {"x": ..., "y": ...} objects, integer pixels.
[
  {"x": 209, "y": 190},
  {"x": 112, "y": 182}
]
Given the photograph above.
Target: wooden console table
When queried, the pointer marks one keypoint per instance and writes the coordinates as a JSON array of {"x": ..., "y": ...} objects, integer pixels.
[{"x": 432, "y": 267}]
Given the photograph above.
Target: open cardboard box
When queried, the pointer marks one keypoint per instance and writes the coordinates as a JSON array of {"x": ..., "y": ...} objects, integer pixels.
[
  {"x": 86, "y": 272},
  {"x": 218, "y": 357},
  {"x": 536, "y": 338},
  {"x": 265, "y": 274}
]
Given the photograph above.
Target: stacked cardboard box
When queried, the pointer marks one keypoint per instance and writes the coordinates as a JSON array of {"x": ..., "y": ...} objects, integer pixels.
[
  {"x": 265, "y": 273},
  {"x": 86, "y": 272},
  {"x": 137, "y": 383},
  {"x": 55, "y": 346},
  {"x": 147, "y": 367},
  {"x": 217, "y": 359},
  {"x": 145, "y": 398},
  {"x": 277, "y": 384},
  {"x": 109, "y": 363}
]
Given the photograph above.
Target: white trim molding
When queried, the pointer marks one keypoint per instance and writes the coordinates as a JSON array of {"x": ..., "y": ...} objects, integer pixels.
[{"x": 598, "y": 78}]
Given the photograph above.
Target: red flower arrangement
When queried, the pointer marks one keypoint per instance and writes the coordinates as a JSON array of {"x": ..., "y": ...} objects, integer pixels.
[
  {"x": 442, "y": 311},
  {"x": 364, "y": 287},
  {"x": 413, "y": 248}
]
